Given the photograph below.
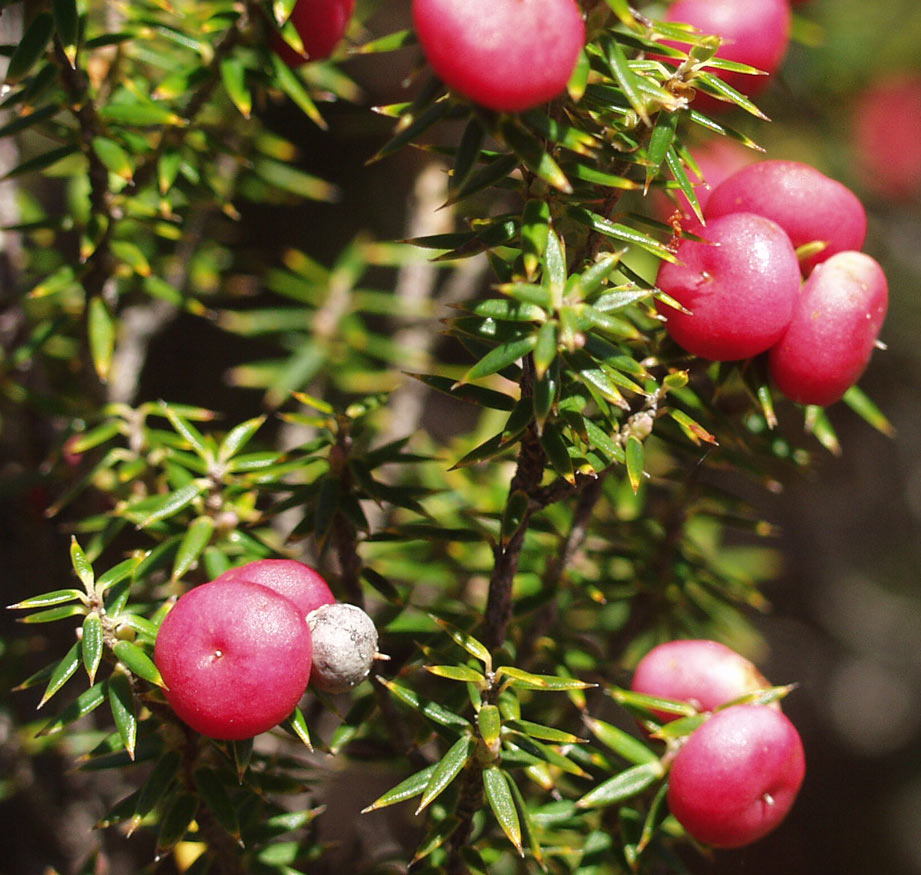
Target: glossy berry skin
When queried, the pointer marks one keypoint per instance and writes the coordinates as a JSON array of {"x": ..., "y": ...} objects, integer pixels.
[
  {"x": 294, "y": 580},
  {"x": 706, "y": 674},
  {"x": 507, "y": 55},
  {"x": 320, "y": 25},
  {"x": 805, "y": 202},
  {"x": 756, "y": 33},
  {"x": 736, "y": 777},
  {"x": 835, "y": 324},
  {"x": 740, "y": 288},
  {"x": 235, "y": 657}
]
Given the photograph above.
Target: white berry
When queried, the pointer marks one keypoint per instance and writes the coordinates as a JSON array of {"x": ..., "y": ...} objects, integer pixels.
[{"x": 344, "y": 646}]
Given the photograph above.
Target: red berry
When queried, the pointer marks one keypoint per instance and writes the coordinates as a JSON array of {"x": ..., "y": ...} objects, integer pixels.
[
  {"x": 740, "y": 288},
  {"x": 756, "y": 33},
  {"x": 320, "y": 25},
  {"x": 706, "y": 674},
  {"x": 806, "y": 203},
  {"x": 507, "y": 55},
  {"x": 294, "y": 580},
  {"x": 835, "y": 324},
  {"x": 737, "y": 776},
  {"x": 887, "y": 136},
  {"x": 235, "y": 657}
]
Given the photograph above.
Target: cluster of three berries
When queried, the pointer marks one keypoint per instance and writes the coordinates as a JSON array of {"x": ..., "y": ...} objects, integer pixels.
[{"x": 236, "y": 654}]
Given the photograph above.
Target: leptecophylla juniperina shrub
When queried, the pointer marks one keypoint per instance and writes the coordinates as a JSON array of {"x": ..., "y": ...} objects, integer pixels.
[{"x": 576, "y": 527}]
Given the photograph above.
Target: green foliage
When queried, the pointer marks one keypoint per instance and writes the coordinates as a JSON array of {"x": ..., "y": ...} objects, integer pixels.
[{"x": 515, "y": 571}]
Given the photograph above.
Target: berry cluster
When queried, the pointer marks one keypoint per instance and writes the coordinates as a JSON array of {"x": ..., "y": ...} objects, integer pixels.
[
  {"x": 236, "y": 654},
  {"x": 769, "y": 225},
  {"x": 736, "y": 776}
]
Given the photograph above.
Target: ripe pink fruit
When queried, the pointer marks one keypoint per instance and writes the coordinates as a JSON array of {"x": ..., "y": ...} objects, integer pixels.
[
  {"x": 756, "y": 33},
  {"x": 294, "y": 580},
  {"x": 740, "y": 288},
  {"x": 887, "y": 136},
  {"x": 507, "y": 55},
  {"x": 806, "y": 203},
  {"x": 837, "y": 318},
  {"x": 737, "y": 776},
  {"x": 235, "y": 657},
  {"x": 705, "y": 674},
  {"x": 320, "y": 25}
]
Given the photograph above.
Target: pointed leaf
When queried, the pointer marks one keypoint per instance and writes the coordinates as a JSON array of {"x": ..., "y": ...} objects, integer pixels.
[
  {"x": 31, "y": 47},
  {"x": 499, "y": 358},
  {"x": 297, "y": 723},
  {"x": 636, "y": 458},
  {"x": 92, "y": 644},
  {"x": 468, "y": 642},
  {"x": 177, "y": 818},
  {"x": 623, "y": 744},
  {"x": 101, "y": 332},
  {"x": 81, "y": 565},
  {"x": 135, "y": 659},
  {"x": 194, "y": 541},
  {"x": 57, "y": 597},
  {"x": 407, "y": 789},
  {"x": 499, "y": 796},
  {"x": 457, "y": 673},
  {"x": 233, "y": 77},
  {"x": 121, "y": 702},
  {"x": 214, "y": 794},
  {"x": 450, "y": 766},
  {"x": 622, "y": 786},
  {"x": 62, "y": 673},
  {"x": 86, "y": 702}
]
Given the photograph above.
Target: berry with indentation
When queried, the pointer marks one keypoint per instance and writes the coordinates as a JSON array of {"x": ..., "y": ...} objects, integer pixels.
[
  {"x": 737, "y": 776},
  {"x": 235, "y": 657}
]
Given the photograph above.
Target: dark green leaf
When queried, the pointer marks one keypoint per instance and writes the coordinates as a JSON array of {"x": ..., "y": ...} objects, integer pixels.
[
  {"x": 87, "y": 701},
  {"x": 177, "y": 818},
  {"x": 499, "y": 358},
  {"x": 447, "y": 769},
  {"x": 62, "y": 672},
  {"x": 31, "y": 47},
  {"x": 196, "y": 538},
  {"x": 66, "y": 21},
  {"x": 215, "y": 795},
  {"x": 92, "y": 644},
  {"x": 407, "y": 789},
  {"x": 636, "y": 458},
  {"x": 499, "y": 796},
  {"x": 59, "y": 596},
  {"x": 135, "y": 659},
  {"x": 121, "y": 702},
  {"x": 623, "y": 744},
  {"x": 622, "y": 786}
]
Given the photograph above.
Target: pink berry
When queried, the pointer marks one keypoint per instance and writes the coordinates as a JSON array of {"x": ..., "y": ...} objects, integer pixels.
[
  {"x": 886, "y": 125},
  {"x": 837, "y": 319},
  {"x": 756, "y": 33},
  {"x": 320, "y": 25},
  {"x": 736, "y": 777},
  {"x": 294, "y": 580},
  {"x": 706, "y": 674},
  {"x": 235, "y": 657},
  {"x": 806, "y": 203},
  {"x": 508, "y": 55},
  {"x": 740, "y": 288}
]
